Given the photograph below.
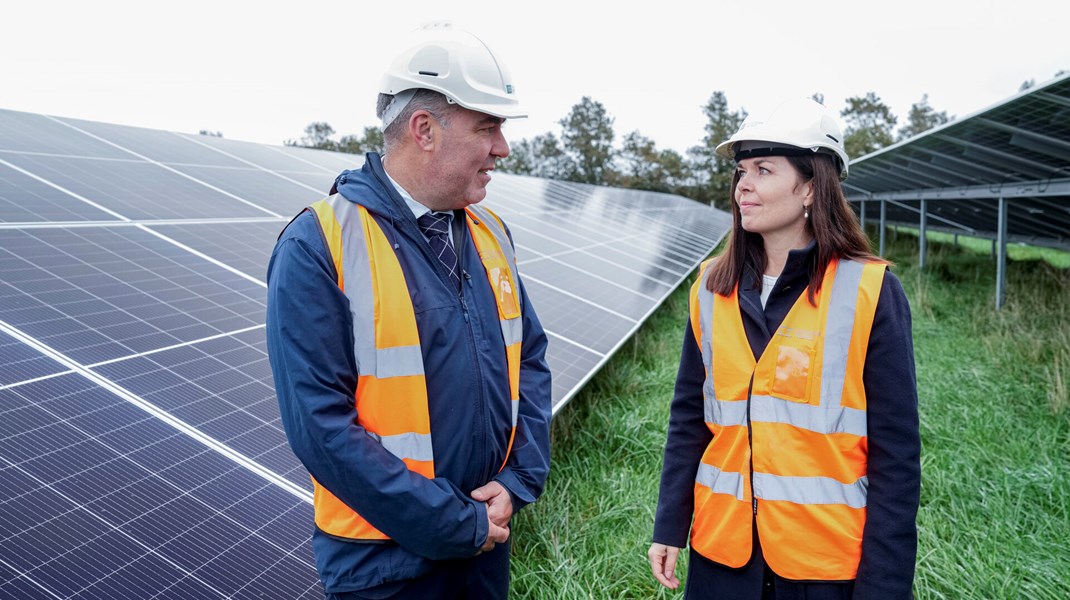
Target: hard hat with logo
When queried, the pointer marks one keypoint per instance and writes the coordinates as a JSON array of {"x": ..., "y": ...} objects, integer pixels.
[
  {"x": 456, "y": 63},
  {"x": 796, "y": 127}
]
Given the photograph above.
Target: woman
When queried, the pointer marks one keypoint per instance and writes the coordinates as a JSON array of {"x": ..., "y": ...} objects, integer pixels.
[{"x": 793, "y": 437}]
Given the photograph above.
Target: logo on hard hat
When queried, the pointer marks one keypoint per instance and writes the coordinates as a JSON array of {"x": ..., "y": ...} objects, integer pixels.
[{"x": 508, "y": 88}]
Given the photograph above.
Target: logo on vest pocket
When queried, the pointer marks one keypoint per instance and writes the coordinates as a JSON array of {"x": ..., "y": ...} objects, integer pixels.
[{"x": 792, "y": 378}]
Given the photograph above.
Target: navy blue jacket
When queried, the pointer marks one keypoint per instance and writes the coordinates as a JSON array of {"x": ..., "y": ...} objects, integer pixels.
[
  {"x": 889, "y": 539},
  {"x": 310, "y": 344}
]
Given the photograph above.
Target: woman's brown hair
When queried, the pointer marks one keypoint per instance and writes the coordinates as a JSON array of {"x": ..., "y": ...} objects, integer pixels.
[{"x": 832, "y": 223}]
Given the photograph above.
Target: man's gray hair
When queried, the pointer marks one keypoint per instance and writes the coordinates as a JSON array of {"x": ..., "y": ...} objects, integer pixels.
[{"x": 429, "y": 100}]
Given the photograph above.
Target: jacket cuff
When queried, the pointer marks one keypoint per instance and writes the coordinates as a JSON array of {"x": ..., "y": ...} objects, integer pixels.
[
  {"x": 517, "y": 492},
  {"x": 482, "y": 525}
]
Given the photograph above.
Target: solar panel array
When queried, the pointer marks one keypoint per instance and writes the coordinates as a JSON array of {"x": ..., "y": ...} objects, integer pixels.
[
  {"x": 1018, "y": 150},
  {"x": 141, "y": 452}
]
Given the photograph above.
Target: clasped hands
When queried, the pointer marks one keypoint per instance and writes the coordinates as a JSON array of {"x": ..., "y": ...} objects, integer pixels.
[{"x": 499, "y": 511}]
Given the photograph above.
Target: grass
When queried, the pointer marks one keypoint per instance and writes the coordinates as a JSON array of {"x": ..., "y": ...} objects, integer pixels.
[
  {"x": 588, "y": 536},
  {"x": 994, "y": 520}
]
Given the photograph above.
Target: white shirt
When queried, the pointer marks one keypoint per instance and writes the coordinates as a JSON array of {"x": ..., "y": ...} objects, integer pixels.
[
  {"x": 419, "y": 210},
  {"x": 768, "y": 281}
]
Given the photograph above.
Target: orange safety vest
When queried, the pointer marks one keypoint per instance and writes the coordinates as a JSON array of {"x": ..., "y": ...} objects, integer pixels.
[
  {"x": 391, "y": 395},
  {"x": 789, "y": 430}
]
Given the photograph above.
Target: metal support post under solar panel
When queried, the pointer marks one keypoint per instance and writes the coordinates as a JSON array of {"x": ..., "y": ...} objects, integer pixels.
[
  {"x": 862, "y": 214},
  {"x": 921, "y": 236},
  {"x": 884, "y": 224},
  {"x": 1001, "y": 261}
]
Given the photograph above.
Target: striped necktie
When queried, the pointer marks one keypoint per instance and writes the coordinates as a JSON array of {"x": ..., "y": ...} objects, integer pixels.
[{"x": 436, "y": 227}]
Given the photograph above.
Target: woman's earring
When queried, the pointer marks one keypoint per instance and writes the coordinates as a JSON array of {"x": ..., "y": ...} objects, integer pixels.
[{"x": 806, "y": 212}]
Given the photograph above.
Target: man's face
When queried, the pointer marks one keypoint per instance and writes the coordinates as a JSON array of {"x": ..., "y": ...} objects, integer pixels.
[{"x": 464, "y": 156}]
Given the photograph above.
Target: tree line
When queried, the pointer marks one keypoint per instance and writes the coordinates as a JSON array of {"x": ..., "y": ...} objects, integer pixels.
[{"x": 584, "y": 149}]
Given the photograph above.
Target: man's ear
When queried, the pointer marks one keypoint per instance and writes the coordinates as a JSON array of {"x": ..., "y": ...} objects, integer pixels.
[{"x": 421, "y": 129}]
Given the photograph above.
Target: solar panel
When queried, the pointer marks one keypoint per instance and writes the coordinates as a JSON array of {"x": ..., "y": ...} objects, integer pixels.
[
  {"x": 141, "y": 452},
  {"x": 103, "y": 500},
  {"x": 1017, "y": 150}
]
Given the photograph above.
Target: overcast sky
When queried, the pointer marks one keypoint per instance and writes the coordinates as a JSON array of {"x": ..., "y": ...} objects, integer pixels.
[{"x": 262, "y": 71}]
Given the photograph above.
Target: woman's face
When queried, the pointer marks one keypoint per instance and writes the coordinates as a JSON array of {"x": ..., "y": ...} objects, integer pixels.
[{"x": 771, "y": 197}]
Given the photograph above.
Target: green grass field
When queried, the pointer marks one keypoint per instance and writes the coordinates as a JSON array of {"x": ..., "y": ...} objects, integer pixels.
[{"x": 995, "y": 422}]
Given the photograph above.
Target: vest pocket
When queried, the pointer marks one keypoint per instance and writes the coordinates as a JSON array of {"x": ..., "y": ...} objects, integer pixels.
[{"x": 791, "y": 380}]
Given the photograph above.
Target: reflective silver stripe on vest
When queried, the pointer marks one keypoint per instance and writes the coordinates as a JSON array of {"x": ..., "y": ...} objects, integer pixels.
[
  {"x": 711, "y": 409},
  {"x": 820, "y": 419},
  {"x": 381, "y": 362},
  {"x": 399, "y": 361},
  {"x": 415, "y": 446},
  {"x": 810, "y": 490},
  {"x": 720, "y": 482},
  {"x": 719, "y": 412},
  {"x": 357, "y": 278},
  {"x": 838, "y": 329},
  {"x": 512, "y": 330},
  {"x": 725, "y": 413}
]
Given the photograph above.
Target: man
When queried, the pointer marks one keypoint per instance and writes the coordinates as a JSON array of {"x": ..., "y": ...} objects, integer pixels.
[{"x": 408, "y": 362}]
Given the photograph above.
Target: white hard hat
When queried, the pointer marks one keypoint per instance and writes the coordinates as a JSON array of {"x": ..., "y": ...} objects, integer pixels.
[
  {"x": 459, "y": 65},
  {"x": 799, "y": 123}
]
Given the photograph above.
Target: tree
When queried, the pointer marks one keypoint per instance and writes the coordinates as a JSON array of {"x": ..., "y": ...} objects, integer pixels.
[
  {"x": 317, "y": 135},
  {"x": 370, "y": 141},
  {"x": 819, "y": 98},
  {"x": 542, "y": 156},
  {"x": 921, "y": 118},
  {"x": 639, "y": 156},
  {"x": 1028, "y": 83},
  {"x": 644, "y": 167},
  {"x": 677, "y": 173},
  {"x": 714, "y": 174},
  {"x": 587, "y": 138},
  {"x": 869, "y": 125},
  {"x": 217, "y": 134},
  {"x": 521, "y": 159}
]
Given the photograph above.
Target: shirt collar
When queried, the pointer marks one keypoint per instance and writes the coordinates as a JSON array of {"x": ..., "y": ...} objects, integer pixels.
[{"x": 418, "y": 210}]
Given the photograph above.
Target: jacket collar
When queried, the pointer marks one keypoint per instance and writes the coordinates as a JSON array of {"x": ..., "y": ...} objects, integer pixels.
[
  {"x": 796, "y": 270},
  {"x": 371, "y": 188},
  {"x": 794, "y": 277}
]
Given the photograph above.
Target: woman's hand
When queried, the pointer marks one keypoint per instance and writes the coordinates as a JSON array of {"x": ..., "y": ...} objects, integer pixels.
[{"x": 663, "y": 564}]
